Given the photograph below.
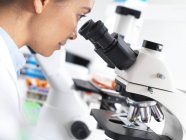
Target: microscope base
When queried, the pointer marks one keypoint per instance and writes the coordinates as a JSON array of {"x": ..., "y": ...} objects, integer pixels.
[{"x": 115, "y": 129}]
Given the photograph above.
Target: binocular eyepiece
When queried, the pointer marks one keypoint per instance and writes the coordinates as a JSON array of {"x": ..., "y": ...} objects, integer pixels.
[{"x": 110, "y": 47}]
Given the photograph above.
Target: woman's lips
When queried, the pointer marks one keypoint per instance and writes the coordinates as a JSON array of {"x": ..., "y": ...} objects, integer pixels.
[{"x": 62, "y": 43}]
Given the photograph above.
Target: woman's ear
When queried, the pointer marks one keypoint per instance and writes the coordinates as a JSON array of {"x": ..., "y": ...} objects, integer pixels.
[{"x": 39, "y": 5}]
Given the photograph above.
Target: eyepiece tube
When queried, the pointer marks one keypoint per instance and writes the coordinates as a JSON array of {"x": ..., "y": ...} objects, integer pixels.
[
  {"x": 84, "y": 31},
  {"x": 112, "y": 48},
  {"x": 85, "y": 28}
]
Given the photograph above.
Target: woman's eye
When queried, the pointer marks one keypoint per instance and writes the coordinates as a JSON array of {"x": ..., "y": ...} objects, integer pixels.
[{"x": 81, "y": 16}]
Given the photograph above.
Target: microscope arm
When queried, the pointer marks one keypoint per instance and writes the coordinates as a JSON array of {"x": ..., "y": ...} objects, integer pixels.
[{"x": 63, "y": 106}]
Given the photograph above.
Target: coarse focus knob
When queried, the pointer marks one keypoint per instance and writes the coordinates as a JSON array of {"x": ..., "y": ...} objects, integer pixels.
[{"x": 80, "y": 130}]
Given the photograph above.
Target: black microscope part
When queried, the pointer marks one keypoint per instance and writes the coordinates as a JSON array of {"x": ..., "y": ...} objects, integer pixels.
[
  {"x": 76, "y": 59},
  {"x": 111, "y": 47},
  {"x": 152, "y": 45},
  {"x": 85, "y": 28},
  {"x": 100, "y": 52},
  {"x": 80, "y": 130},
  {"x": 84, "y": 32},
  {"x": 115, "y": 128},
  {"x": 87, "y": 86},
  {"x": 128, "y": 11},
  {"x": 84, "y": 85}
]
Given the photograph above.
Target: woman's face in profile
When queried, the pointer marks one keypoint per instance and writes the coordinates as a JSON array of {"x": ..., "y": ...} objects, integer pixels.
[{"x": 56, "y": 24}]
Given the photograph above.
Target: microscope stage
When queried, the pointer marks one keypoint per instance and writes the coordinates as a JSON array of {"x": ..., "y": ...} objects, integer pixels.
[{"x": 116, "y": 129}]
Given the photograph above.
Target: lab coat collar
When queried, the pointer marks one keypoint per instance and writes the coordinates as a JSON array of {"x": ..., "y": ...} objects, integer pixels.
[{"x": 16, "y": 56}]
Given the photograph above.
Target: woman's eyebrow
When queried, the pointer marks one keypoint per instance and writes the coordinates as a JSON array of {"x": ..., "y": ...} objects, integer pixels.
[{"x": 88, "y": 9}]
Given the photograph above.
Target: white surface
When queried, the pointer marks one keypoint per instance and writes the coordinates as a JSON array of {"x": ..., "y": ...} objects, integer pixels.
[{"x": 77, "y": 71}]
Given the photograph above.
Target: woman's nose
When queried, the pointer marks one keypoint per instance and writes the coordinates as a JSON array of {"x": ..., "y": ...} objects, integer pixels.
[{"x": 73, "y": 36}]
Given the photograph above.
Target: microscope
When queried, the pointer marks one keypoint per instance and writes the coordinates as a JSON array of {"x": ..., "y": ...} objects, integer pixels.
[
  {"x": 63, "y": 116},
  {"x": 144, "y": 79}
]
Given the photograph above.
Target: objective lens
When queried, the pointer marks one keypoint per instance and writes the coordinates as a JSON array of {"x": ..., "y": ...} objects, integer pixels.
[
  {"x": 145, "y": 114},
  {"x": 133, "y": 113},
  {"x": 157, "y": 113}
]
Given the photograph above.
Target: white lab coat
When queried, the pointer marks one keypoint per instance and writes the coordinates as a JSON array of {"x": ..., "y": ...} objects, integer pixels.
[{"x": 10, "y": 105}]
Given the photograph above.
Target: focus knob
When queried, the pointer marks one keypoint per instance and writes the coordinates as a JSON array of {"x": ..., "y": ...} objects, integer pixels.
[{"x": 80, "y": 130}]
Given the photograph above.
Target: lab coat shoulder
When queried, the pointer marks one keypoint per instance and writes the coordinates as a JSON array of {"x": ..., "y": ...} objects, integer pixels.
[
  {"x": 9, "y": 96},
  {"x": 8, "y": 91}
]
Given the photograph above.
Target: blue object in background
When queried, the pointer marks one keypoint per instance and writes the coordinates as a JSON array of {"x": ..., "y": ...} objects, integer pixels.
[
  {"x": 32, "y": 68},
  {"x": 31, "y": 60},
  {"x": 33, "y": 73}
]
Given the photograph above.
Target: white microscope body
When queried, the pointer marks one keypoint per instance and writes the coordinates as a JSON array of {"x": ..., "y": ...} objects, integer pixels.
[
  {"x": 150, "y": 77},
  {"x": 63, "y": 107},
  {"x": 150, "y": 73}
]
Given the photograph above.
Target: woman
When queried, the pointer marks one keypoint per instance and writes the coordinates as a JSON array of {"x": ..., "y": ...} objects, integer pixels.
[{"x": 44, "y": 25}]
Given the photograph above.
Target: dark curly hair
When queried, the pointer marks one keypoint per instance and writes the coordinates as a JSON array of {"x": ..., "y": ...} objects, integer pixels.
[{"x": 6, "y": 2}]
